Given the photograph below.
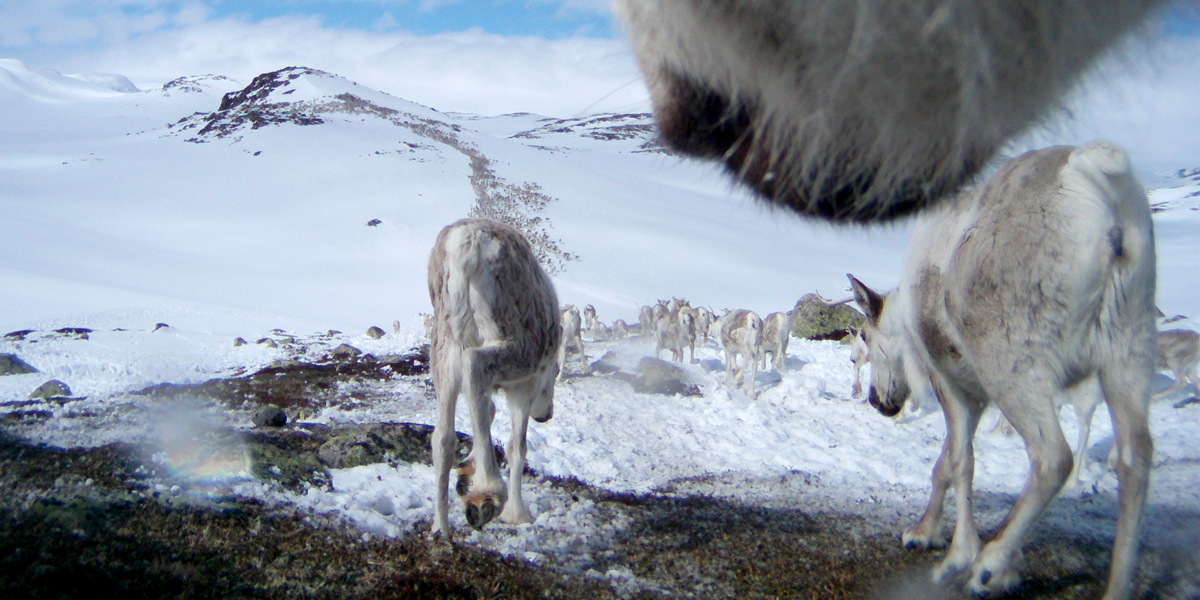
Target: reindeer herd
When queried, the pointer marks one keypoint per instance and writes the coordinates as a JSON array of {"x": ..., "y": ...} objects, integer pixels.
[
  {"x": 1019, "y": 291},
  {"x": 1032, "y": 290}
]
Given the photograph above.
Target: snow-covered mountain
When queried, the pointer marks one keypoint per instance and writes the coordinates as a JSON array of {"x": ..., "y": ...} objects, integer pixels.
[{"x": 302, "y": 202}]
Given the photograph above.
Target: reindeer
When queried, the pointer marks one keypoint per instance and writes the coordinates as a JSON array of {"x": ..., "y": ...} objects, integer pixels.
[
  {"x": 426, "y": 321},
  {"x": 674, "y": 332},
  {"x": 600, "y": 331},
  {"x": 862, "y": 111},
  {"x": 396, "y": 327},
  {"x": 496, "y": 326},
  {"x": 572, "y": 337},
  {"x": 1037, "y": 282},
  {"x": 620, "y": 329},
  {"x": 589, "y": 316},
  {"x": 1179, "y": 352},
  {"x": 741, "y": 337},
  {"x": 646, "y": 320},
  {"x": 860, "y": 357},
  {"x": 704, "y": 320},
  {"x": 777, "y": 331}
]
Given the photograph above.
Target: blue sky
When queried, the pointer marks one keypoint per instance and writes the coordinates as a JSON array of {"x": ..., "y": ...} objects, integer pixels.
[{"x": 505, "y": 17}]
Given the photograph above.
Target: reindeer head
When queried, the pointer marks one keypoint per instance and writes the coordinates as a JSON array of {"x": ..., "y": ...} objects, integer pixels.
[
  {"x": 861, "y": 111},
  {"x": 886, "y": 347}
]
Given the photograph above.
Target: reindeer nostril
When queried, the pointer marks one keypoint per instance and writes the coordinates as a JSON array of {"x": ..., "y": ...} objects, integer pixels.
[{"x": 473, "y": 516}]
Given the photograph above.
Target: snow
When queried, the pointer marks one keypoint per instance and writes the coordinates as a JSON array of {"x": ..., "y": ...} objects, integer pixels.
[{"x": 114, "y": 222}]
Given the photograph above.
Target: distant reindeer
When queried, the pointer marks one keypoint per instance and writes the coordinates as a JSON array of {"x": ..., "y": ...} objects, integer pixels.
[
  {"x": 599, "y": 331},
  {"x": 1037, "y": 282},
  {"x": 1179, "y": 352},
  {"x": 589, "y": 316},
  {"x": 660, "y": 310},
  {"x": 859, "y": 356},
  {"x": 777, "y": 331},
  {"x": 426, "y": 322},
  {"x": 620, "y": 329},
  {"x": 572, "y": 336},
  {"x": 674, "y": 332},
  {"x": 646, "y": 320},
  {"x": 865, "y": 110},
  {"x": 741, "y": 337},
  {"x": 396, "y": 326},
  {"x": 704, "y": 320},
  {"x": 496, "y": 326}
]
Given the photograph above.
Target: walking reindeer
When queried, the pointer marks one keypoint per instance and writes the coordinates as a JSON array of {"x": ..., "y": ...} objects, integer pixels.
[
  {"x": 1037, "y": 283},
  {"x": 496, "y": 326}
]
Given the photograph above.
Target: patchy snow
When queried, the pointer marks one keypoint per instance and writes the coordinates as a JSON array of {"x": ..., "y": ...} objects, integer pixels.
[{"x": 115, "y": 223}]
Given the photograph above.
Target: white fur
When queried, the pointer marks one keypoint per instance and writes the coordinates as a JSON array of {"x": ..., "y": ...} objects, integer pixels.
[
  {"x": 860, "y": 357},
  {"x": 572, "y": 336},
  {"x": 741, "y": 338},
  {"x": 483, "y": 280},
  {"x": 862, "y": 110},
  {"x": 620, "y": 329},
  {"x": 1179, "y": 352},
  {"x": 646, "y": 320},
  {"x": 777, "y": 331},
  {"x": 1037, "y": 282}
]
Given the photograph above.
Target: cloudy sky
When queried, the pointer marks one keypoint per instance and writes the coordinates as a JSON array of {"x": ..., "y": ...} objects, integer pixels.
[{"x": 554, "y": 57}]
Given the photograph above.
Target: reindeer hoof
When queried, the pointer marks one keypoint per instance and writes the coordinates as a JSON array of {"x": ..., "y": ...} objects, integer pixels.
[{"x": 480, "y": 512}]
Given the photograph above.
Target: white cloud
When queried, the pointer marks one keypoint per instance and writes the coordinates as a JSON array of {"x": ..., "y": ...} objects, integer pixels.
[
  {"x": 1144, "y": 99},
  {"x": 468, "y": 71}
]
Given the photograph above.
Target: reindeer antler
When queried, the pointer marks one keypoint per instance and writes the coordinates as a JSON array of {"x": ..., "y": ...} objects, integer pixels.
[{"x": 829, "y": 302}]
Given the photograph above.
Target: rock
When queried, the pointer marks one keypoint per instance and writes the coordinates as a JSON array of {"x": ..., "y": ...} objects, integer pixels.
[
  {"x": 345, "y": 352},
  {"x": 78, "y": 332},
  {"x": 657, "y": 376},
  {"x": 814, "y": 320},
  {"x": 11, "y": 365},
  {"x": 51, "y": 389},
  {"x": 373, "y": 222},
  {"x": 238, "y": 342},
  {"x": 270, "y": 416},
  {"x": 18, "y": 335},
  {"x": 374, "y": 333},
  {"x": 605, "y": 365},
  {"x": 158, "y": 326},
  {"x": 268, "y": 342}
]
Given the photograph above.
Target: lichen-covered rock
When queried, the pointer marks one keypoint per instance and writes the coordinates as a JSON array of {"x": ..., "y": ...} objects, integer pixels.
[
  {"x": 268, "y": 342},
  {"x": 270, "y": 416},
  {"x": 238, "y": 342},
  {"x": 605, "y": 365},
  {"x": 345, "y": 352},
  {"x": 10, "y": 364},
  {"x": 374, "y": 333},
  {"x": 51, "y": 389},
  {"x": 657, "y": 376},
  {"x": 813, "y": 319}
]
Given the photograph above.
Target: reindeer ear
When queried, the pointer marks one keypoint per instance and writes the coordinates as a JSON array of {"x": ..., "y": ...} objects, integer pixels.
[{"x": 867, "y": 299}]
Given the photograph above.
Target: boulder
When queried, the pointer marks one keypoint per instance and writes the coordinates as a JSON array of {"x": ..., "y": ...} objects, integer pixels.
[
  {"x": 374, "y": 333},
  {"x": 51, "y": 389},
  {"x": 657, "y": 376},
  {"x": 345, "y": 352},
  {"x": 270, "y": 416},
  {"x": 606, "y": 364},
  {"x": 813, "y": 319},
  {"x": 11, "y": 365}
]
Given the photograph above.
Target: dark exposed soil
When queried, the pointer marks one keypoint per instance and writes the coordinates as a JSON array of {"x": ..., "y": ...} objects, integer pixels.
[{"x": 100, "y": 523}]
